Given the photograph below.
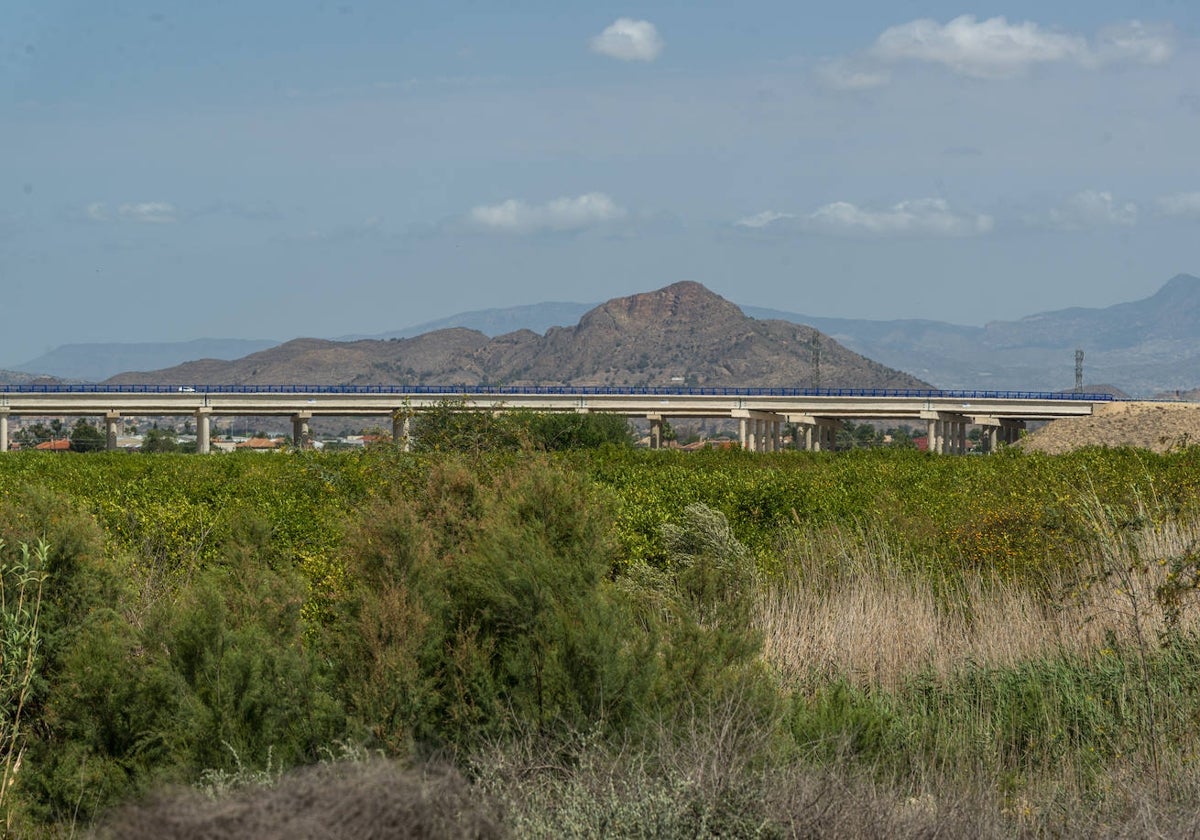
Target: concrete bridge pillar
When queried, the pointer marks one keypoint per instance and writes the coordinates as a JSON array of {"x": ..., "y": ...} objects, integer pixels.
[
  {"x": 1010, "y": 430},
  {"x": 203, "y": 430},
  {"x": 110, "y": 430},
  {"x": 814, "y": 434},
  {"x": 655, "y": 430},
  {"x": 946, "y": 432},
  {"x": 3, "y": 429},
  {"x": 401, "y": 427},
  {"x": 989, "y": 428},
  {"x": 300, "y": 435}
]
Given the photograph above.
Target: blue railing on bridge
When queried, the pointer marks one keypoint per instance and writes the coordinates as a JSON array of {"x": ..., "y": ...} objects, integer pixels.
[{"x": 550, "y": 390}]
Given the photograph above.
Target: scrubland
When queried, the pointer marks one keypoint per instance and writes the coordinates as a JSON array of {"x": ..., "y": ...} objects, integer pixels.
[{"x": 600, "y": 643}]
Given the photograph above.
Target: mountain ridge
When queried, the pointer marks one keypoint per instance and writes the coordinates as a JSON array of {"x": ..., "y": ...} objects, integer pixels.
[
  {"x": 1144, "y": 347},
  {"x": 680, "y": 333}
]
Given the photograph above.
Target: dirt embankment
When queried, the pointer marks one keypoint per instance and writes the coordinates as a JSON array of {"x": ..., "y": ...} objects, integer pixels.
[{"x": 1147, "y": 425}]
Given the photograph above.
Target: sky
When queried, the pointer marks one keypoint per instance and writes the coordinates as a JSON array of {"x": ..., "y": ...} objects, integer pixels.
[{"x": 272, "y": 169}]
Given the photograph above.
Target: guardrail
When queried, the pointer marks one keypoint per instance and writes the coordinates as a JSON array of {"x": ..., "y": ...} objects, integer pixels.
[{"x": 593, "y": 390}]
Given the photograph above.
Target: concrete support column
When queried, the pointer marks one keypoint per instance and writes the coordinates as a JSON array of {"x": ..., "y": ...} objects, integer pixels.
[
  {"x": 808, "y": 437},
  {"x": 110, "y": 430},
  {"x": 3, "y": 429},
  {"x": 655, "y": 432},
  {"x": 1010, "y": 430},
  {"x": 930, "y": 434},
  {"x": 300, "y": 429},
  {"x": 962, "y": 437},
  {"x": 401, "y": 427},
  {"x": 743, "y": 440},
  {"x": 203, "y": 431},
  {"x": 776, "y": 436},
  {"x": 990, "y": 436}
]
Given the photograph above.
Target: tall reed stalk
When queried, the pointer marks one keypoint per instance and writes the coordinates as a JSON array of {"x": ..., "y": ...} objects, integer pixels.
[{"x": 21, "y": 582}]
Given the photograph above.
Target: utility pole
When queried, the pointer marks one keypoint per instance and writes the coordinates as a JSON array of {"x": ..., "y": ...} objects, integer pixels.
[{"x": 1078, "y": 371}]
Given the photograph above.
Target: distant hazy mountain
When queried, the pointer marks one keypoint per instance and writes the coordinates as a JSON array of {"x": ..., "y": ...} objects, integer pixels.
[
  {"x": 1143, "y": 347},
  {"x": 537, "y": 317},
  {"x": 681, "y": 334},
  {"x": 17, "y": 377},
  {"x": 94, "y": 362}
]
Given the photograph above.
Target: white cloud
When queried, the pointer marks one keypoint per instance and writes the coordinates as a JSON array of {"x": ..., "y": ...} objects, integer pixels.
[
  {"x": 153, "y": 212},
  {"x": 842, "y": 74},
  {"x": 1180, "y": 204},
  {"x": 992, "y": 48},
  {"x": 1136, "y": 42},
  {"x": 1093, "y": 209},
  {"x": 919, "y": 217},
  {"x": 762, "y": 219},
  {"x": 561, "y": 214},
  {"x": 997, "y": 49},
  {"x": 629, "y": 40}
]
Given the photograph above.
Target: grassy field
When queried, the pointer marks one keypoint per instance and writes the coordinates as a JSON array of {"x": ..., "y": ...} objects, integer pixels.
[{"x": 601, "y": 643}]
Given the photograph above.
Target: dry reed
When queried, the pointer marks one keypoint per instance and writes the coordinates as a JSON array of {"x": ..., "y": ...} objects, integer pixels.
[{"x": 851, "y": 605}]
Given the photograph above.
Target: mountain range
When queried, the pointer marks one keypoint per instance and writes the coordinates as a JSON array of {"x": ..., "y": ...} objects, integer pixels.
[
  {"x": 681, "y": 334},
  {"x": 1144, "y": 347}
]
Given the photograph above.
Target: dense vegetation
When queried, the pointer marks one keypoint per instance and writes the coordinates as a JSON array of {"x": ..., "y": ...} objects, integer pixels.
[{"x": 607, "y": 641}]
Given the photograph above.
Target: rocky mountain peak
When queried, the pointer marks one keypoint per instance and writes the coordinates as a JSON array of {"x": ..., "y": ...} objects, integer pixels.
[
  {"x": 1182, "y": 288},
  {"x": 684, "y": 303}
]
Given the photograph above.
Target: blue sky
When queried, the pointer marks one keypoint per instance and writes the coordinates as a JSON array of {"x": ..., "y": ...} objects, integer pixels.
[{"x": 178, "y": 170}]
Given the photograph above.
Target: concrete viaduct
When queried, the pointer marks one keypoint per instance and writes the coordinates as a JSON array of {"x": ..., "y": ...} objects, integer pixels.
[{"x": 761, "y": 412}]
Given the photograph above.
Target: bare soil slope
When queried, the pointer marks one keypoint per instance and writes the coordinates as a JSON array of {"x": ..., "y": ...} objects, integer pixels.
[{"x": 1147, "y": 425}]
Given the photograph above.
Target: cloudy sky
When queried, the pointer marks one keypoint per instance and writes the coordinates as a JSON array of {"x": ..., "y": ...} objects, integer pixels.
[{"x": 270, "y": 169}]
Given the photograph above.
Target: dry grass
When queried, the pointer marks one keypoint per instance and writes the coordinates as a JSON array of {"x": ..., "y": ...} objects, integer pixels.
[{"x": 850, "y": 605}]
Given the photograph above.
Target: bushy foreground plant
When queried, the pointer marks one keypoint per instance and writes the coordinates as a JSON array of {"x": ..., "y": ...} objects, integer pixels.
[{"x": 480, "y": 611}]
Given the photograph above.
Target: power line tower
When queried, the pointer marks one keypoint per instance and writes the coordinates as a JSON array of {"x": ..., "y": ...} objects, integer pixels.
[
  {"x": 1078, "y": 371},
  {"x": 815, "y": 344}
]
